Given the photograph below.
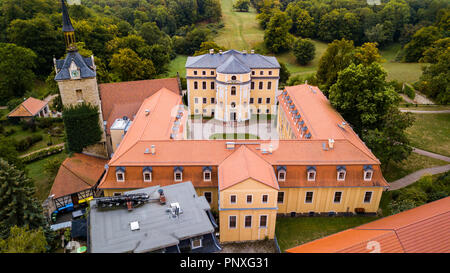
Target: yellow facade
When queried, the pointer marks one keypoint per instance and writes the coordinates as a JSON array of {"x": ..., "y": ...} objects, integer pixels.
[
  {"x": 323, "y": 200},
  {"x": 231, "y": 96},
  {"x": 256, "y": 211}
]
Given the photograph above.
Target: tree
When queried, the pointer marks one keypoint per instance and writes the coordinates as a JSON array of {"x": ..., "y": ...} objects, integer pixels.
[
  {"x": 16, "y": 71},
  {"x": 304, "y": 51},
  {"x": 18, "y": 207},
  {"x": 380, "y": 33},
  {"x": 242, "y": 5},
  {"x": 302, "y": 23},
  {"x": 367, "y": 53},
  {"x": 421, "y": 41},
  {"x": 23, "y": 240},
  {"x": 191, "y": 42},
  {"x": 284, "y": 73},
  {"x": 39, "y": 35},
  {"x": 158, "y": 55},
  {"x": 9, "y": 153},
  {"x": 81, "y": 123},
  {"x": 206, "y": 46},
  {"x": 432, "y": 54},
  {"x": 362, "y": 95},
  {"x": 398, "y": 12},
  {"x": 276, "y": 36},
  {"x": 389, "y": 141},
  {"x": 266, "y": 10},
  {"x": 338, "y": 56},
  {"x": 435, "y": 79},
  {"x": 126, "y": 65}
]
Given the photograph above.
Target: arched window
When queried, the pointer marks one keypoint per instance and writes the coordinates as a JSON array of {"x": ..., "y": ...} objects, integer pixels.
[
  {"x": 233, "y": 90},
  {"x": 195, "y": 85},
  {"x": 233, "y": 105}
]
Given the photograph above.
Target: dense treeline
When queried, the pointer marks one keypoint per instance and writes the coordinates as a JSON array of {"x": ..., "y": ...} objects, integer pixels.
[{"x": 142, "y": 34}]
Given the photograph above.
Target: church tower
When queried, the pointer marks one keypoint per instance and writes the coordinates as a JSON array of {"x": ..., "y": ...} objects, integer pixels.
[{"x": 76, "y": 76}]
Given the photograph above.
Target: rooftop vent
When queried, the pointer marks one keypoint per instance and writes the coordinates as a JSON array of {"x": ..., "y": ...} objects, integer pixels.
[
  {"x": 211, "y": 51},
  {"x": 331, "y": 143},
  {"x": 175, "y": 210},
  {"x": 220, "y": 51},
  {"x": 230, "y": 145},
  {"x": 147, "y": 151},
  {"x": 244, "y": 52},
  {"x": 147, "y": 112},
  {"x": 162, "y": 197},
  {"x": 153, "y": 150},
  {"x": 342, "y": 125},
  {"x": 252, "y": 51},
  {"x": 134, "y": 225}
]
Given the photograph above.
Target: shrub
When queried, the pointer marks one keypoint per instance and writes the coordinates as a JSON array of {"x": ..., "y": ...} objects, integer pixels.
[
  {"x": 304, "y": 51},
  {"x": 42, "y": 154},
  {"x": 409, "y": 92},
  {"x": 13, "y": 103}
]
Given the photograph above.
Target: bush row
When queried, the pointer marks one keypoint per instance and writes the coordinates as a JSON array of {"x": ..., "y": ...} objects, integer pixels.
[
  {"x": 42, "y": 154},
  {"x": 24, "y": 144}
]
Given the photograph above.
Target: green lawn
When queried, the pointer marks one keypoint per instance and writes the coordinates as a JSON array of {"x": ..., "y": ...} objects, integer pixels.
[
  {"x": 413, "y": 163},
  {"x": 431, "y": 132},
  {"x": 233, "y": 136},
  {"x": 294, "y": 231},
  {"x": 41, "y": 180},
  {"x": 402, "y": 72},
  {"x": 177, "y": 65}
]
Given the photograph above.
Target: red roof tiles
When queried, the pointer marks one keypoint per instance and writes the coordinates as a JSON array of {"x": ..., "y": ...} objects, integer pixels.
[
  {"x": 29, "y": 108},
  {"x": 77, "y": 173},
  {"x": 124, "y": 98},
  {"x": 425, "y": 229}
]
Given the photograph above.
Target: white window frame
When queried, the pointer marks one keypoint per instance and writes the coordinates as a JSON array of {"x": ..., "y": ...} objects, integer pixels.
[
  {"x": 147, "y": 172},
  {"x": 117, "y": 176},
  {"x": 204, "y": 177},
  {"x": 262, "y": 198},
  {"x": 210, "y": 192},
  {"x": 364, "y": 197},
  {"x": 192, "y": 243},
  {"x": 371, "y": 175},
  {"x": 284, "y": 173},
  {"x": 251, "y": 221},
  {"x": 312, "y": 199},
  {"x": 175, "y": 176},
  {"x": 311, "y": 179},
  {"x": 235, "y": 199},
  {"x": 267, "y": 221},
  {"x": 334, "y": 197},
  {"x": 338, "y": 172},
  {"x": 195, "y": 100},
  {"x": 229, "y": 222},
  {"x": 246, "y": 198}
]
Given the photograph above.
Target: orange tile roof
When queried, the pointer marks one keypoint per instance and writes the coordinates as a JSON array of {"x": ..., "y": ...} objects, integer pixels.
[
  {"x": 244, "y": 164},
  {"x": 77, "y": 173},
  {"x": 29, "y": 108},
  {"x": 124, "y": 98},
  {"x": 319, "y": 116},
  {"x": 425, "y": 229}
]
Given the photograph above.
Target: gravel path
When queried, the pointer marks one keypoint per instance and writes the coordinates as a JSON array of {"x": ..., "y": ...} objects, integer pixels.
[
  {"x": 425, "y": 111},
  {"x": 430, "y": 154},
  {"x": 56, "y": 145},
  {"x": 411, "y": 178}
]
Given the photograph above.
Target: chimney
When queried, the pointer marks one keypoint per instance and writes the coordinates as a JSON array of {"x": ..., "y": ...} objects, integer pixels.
[
  {"x": 252, "y": 51},
  {"x": 220, "y": 52},
  {"x": 162, "y": 198},
  {"x": 270, "y": 149},
  {"x": 153, "y": 150},
  {"x": 211, "y": 51},
  {"x": 331, "y": 143},
  {"x": 244, "y": 52}
]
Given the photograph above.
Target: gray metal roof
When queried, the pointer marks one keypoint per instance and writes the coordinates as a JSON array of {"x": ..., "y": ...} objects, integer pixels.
[
  {"x": 67, "y": 24},
  {"x": 85, "y": 66},
  {"x": 248, "y": 60},
  {"x": 233, "y": 65},
  {"x": 110, "y": 232}
]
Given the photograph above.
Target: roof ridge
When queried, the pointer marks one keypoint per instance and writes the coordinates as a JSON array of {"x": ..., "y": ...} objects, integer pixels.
[{"x": 22, "y": 103}]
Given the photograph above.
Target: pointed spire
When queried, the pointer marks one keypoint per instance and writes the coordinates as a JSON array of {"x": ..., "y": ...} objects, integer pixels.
[{"x": 67, "y": 24}]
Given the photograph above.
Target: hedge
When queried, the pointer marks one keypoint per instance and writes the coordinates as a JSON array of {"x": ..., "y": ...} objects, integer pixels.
[
  {"x": 409, "y": 92},
  {"x": 42, "y": 154}
]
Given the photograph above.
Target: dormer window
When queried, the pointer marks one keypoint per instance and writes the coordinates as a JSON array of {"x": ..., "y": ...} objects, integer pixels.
[
  {"x": 178, "y": 174},
  {"x": 147, "y": 174},
  {"x": 74, "y": 71},
  {"x": 341, "y": 171},
  {"x": 368, "y": 172},
  {"x": 311, "y": 173},
  {"x": 207, "y": 173},
  {"x": 281, "y": 170},
  {"x": 120, "y": 174}
]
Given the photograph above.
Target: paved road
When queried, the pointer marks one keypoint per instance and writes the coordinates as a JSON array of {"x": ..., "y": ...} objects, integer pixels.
[
  {"x": 430, "y": 154},
  {"x": 425, "y": 111},
  {"x": 411, "y": 178}
]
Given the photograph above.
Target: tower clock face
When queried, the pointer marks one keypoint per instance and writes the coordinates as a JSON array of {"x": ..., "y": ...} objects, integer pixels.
[{"x": 75, "y": 73}]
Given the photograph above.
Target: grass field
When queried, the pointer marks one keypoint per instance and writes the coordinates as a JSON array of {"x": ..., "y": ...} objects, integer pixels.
[
  {"x": 41, "y": 180},
  {"x": 413, "y": 163},
  {"x": 295, "y": 231},
  {"x": 177, "y": 65},
  {"x": 402, "y": 72},
  {"x": 431, "y": 132}
]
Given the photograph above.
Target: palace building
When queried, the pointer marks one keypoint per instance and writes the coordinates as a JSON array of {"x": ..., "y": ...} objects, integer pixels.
[
  {"x": 318, "y": 166},
  {"x": 232, "y": 85}
]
